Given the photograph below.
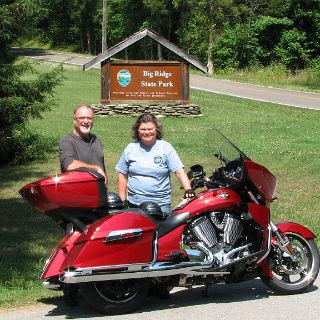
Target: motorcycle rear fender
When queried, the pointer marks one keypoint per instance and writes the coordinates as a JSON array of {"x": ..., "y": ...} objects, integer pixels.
[
  {"x": 59, "y": 255},
  {"x": 285, "y": 227}
]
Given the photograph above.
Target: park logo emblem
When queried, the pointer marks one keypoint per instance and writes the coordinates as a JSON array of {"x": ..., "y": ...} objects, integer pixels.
[{"x": 124, "y": 77}]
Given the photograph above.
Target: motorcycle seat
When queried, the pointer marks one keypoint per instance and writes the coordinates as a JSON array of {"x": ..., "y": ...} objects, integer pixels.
[{"x": 173, "y": 221}]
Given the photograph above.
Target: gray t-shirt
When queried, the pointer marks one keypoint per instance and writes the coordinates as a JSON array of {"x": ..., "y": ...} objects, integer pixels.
[{"x": 72, "y": 147}]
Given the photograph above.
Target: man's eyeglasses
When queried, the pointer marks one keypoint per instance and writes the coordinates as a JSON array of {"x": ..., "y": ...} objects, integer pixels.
[{"x": 83, "y": 118}]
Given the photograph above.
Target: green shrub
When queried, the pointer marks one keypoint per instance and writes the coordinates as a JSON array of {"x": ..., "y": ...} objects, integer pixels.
[
  {"x": 235, "y": 48},
  {"x": 290, "y": 50}
]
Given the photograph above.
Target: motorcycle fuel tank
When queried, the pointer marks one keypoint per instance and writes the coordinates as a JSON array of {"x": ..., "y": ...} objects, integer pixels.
[
  {"x": 211, "y": 200},
  {"x": 73, "y": 189}
]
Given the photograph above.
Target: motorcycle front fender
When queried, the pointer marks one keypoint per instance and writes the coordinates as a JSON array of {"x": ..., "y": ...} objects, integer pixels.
[{"x": 296, "y": 228}]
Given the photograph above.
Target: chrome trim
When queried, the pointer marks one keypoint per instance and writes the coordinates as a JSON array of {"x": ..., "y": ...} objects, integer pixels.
[
  {"x": 273, "y": 226},
  {"x": 123, "y": 234},
  {"x": 140, "y": 270},
  {"x": 232, "y": 252},
  {"x": 155, "y": 247},
  {"x": 48, "y": 261},
  {"x": 69, "y": 228},
  {"x": 252, "y": 197},
  {"x": 52, "y": 286}
]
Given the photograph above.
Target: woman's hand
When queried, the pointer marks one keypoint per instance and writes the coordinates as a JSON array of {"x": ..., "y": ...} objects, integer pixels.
[{"x": 189, "y": 193}]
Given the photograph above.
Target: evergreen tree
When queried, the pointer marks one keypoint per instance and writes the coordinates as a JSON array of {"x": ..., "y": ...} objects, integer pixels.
[{"x": 20, "y": 99}]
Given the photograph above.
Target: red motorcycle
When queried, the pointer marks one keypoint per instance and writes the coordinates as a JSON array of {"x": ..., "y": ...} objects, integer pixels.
[{"x": 115, "y": 255}]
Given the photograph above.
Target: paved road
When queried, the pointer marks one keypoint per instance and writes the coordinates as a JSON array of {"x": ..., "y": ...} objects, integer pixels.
[
  {"x": 243, "y": 301},
  {"x": 261, "y": 93},
  {"x": 267, "y": 94}
]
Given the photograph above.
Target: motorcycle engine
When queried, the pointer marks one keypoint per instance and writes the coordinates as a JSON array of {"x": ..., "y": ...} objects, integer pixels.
[{"x": 221, "y": 233}]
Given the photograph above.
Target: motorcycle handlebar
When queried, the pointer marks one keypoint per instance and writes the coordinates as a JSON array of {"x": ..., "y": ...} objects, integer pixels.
[{"x": 200, "y": 183}]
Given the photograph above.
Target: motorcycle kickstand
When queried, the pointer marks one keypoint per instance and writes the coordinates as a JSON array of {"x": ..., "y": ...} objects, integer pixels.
[{"x": 205, "y": 291}]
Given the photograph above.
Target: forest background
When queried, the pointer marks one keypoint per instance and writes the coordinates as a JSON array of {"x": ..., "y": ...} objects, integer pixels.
[{"x": 223, "y": 34}]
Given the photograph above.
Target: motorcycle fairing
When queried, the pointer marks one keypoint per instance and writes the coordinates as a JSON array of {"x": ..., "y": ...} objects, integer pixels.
[
  {"x": 262, "y": 178},
  {"x": 260, "y": 214}
]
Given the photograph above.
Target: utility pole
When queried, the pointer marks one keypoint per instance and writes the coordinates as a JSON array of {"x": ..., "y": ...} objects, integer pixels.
[{"x": 104, "y": 25}]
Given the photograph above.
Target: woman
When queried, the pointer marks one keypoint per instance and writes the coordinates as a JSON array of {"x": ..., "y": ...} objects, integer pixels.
[{"x": 145, "y": 166}]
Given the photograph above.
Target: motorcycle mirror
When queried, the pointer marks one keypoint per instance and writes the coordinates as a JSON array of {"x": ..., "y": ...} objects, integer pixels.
[{"x": 196, "y": 171}]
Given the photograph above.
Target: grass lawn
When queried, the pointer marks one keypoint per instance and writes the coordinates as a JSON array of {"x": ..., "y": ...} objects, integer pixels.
[{"x": 286, "y": 140}]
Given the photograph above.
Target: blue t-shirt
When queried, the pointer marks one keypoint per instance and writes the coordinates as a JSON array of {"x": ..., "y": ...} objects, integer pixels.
[{"x": 148, "y": 170}]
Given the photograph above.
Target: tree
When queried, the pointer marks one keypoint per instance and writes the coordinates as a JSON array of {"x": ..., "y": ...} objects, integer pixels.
[
  {"x": 201, "y": 23},
  {"x": 163, "y": 17},
  {"x": 20, "y": 99},
  {"x": 10, "y": 27}
]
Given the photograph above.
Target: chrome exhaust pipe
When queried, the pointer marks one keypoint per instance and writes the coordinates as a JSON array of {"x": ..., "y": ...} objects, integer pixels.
[{"x": 136, "y": 271}]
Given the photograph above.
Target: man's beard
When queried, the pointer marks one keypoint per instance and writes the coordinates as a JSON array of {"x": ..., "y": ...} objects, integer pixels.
[{"x": 83, "y": 130}]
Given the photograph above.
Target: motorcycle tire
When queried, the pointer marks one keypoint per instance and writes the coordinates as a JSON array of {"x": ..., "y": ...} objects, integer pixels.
[
  {"x": 290, "y": 277},
  {"x": 116, "y": 296}
]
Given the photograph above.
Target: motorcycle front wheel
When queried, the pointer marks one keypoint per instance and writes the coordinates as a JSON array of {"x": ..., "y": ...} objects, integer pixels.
[
  {"x": 293, "y": 276},
  {"x": 115, "y": 297}
]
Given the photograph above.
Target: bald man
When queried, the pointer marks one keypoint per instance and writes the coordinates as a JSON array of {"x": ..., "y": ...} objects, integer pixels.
[{"x": 81, "y": 148}]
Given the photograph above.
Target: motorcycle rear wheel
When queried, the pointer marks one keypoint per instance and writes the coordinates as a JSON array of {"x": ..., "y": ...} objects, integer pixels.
[
  {"x": 290, "y": 277},
  {"x": 115, "y": 297}
]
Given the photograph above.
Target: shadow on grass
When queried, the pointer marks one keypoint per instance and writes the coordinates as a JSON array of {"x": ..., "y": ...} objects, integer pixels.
[{"x": 26, "y": 236}]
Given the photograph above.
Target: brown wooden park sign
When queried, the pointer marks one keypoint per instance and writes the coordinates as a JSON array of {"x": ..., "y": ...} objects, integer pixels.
[{"x": 144, "y": 80}]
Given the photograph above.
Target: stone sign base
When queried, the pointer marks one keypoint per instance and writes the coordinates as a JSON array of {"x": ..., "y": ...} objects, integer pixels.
[{"x": 133, "y": 110}]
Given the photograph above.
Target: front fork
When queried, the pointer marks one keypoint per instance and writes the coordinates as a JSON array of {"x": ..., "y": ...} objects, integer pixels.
[{"x": 283, "y": 242}]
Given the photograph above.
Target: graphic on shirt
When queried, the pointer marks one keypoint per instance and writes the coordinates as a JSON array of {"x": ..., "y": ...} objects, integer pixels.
[
  {"x": 157, "y": 159},
  {"x": 124, "y": 77}
]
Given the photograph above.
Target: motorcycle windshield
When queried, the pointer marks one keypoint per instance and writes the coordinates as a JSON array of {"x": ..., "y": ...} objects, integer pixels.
[
  {"x": 238, "y": 164},
  {"x": 224, "y": 149}
]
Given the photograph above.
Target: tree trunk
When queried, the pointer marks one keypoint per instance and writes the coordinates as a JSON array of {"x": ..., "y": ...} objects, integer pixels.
[
  {"x": 209, "y": 61},
  {"x": 210, "y": 44},
  {"x": 88, "y": 41}
]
